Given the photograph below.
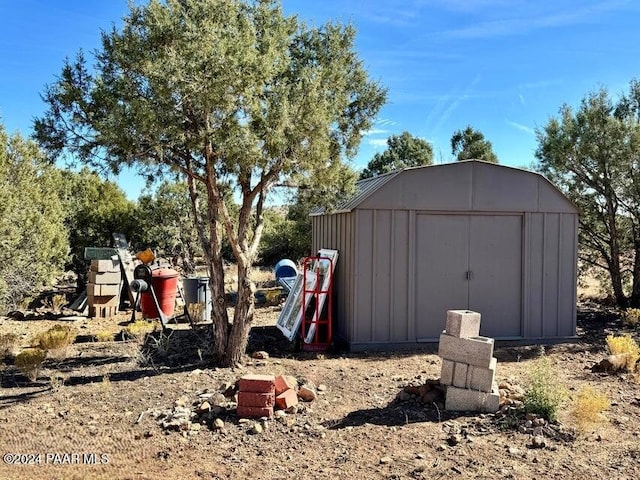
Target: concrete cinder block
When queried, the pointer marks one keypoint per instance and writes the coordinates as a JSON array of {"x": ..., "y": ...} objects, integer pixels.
[
  {"x": 102, "y": 290},
  {"x": 462, "y": 399},
  {"x": 254, "y": 399},
  {"x": 103, "y": 301},
  {"x": 482, "y": 379},
  {"x": 446, "y": 376},
  {"x": 111, "y": 265},
  {"x": 463, "y": 323},
  {"x": 477, "y": 351},
  {"x": 460, "y": 375},
  {"x": 103, "y": 278},
  {"x": 257, "y": 383}
]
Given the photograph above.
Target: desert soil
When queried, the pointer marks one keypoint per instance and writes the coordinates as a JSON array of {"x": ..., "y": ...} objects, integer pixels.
[{"x": 107, "y": 399}]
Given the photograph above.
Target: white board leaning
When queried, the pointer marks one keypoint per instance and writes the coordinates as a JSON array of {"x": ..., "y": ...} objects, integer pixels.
[{"x": 291, "y": 315}]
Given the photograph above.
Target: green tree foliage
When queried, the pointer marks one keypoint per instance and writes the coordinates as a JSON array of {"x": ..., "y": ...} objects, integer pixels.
[
  {"x": 166, "y": 224},
  {"x": 402, "y": 151},
  {"x": 592, "y": 154},
  {"x": 33, "y": 240},
  {"x": 312, "y": 195},
  {"x": 94, "y": 209},
  {"x": 470, "y": 144},
  {"x": 226, "y": 93}
]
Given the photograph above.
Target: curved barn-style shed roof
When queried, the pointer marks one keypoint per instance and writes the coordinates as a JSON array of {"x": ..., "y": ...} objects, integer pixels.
[
  {"x": 467, "y": 235},
  {"x": 471, "y": 185}
]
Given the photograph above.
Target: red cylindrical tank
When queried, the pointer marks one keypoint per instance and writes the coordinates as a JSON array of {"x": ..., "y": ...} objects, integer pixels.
[{"x": 165, "y": 284}]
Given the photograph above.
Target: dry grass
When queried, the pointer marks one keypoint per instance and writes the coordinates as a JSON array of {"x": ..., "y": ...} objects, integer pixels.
[
  {"x": 8, "y": 344},
  {"x": 29, "y": 361},
  {"x": 140, "y": 328},
  {"x": 588, "y": 407},
  {"x": 104, "y": 336},
  {"x": 57, "y": 337},
  {"x": 631, "y": 317},
  {"x": 627, "y": 346}
]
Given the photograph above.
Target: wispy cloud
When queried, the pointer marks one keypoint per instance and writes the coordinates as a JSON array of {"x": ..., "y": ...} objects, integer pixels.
[
  {"x": 448, "y": 104},
  {"x": 385, "y": 122},
  {"x": 524, "y": 20},
  {"x": 377, "y": 142},
  {"x": 521, "y": 127},
  {"x": 375, "y": 131}
]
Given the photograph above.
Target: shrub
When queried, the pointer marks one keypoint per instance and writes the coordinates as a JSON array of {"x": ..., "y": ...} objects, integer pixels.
[
  {"x": 631, "y": 317},
  {"x": 588, "y": 407},
  {"x": 626, "y": 346},
  {"x": 140, "y": 328},
  {"x": 29, "y": 361},
  {"x": 543, "y": 394},
  {"x": 104, "y": 336},
  {"x": 8, "y": 342},
  {"x": 56, "y": 338}
]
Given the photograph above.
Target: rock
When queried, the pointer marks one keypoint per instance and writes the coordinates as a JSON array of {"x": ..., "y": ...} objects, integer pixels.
[
  {"x": 218, "y": 400},
  {"x": 404, "y": 396},
  {"x": 431, "y": 396},
  {"x": 260, "y": 355},
  {"x": 539, "y": 422},
  {"x": 204, "y": 407},
  {"x": 538, "y": 431},
  {"x": 538, "y": 442},
  {"x": 182, "y": 401},
  {"x": 441, "y": 448},
  {"x": 322, "y": 388},
  {"x": 514, "y": 451},
  {"x": 279, "y": 414},
  {"x": 386, "y": 460},
  {"x": 256, "y": 429},
  {"x": 505, "y": 386},
  {"x": 218, "y": 424},
  {"x": 454, "y": 439},
  {"x": 307, "y": 393},
  {"x": 293, "y": 409},
  {"x": 195, "y": 427},
  {"x": 613, "y": 363},
  {"x": 195, "y": 372}
]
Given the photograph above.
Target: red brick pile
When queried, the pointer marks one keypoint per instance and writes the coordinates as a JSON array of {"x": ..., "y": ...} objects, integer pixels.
[{"x": 259, "y": 394}]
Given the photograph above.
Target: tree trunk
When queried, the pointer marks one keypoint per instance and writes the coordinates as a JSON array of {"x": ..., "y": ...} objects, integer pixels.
[
  {"x": 614, "y": 246},
  {"x": 242, "y": 319},
  {"x": 634, "y": 300}
]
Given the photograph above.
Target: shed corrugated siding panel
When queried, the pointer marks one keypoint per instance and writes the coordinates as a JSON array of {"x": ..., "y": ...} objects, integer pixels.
[
  {"x": 363, "y": 281},
  {"x": 551, "y": 275},
  {"x": 381, "y": 287},
  {"x": 381, "y": 262},
  {"x": 335, "y": 232},
  {"x": 399, "y": 280}
]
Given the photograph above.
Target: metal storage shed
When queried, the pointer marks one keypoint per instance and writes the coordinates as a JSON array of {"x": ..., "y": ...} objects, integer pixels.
[{"x": 468, "y": 235}]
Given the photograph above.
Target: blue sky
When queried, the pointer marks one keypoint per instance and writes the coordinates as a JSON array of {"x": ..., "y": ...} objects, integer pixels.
[{"x": 501, "y": 66}]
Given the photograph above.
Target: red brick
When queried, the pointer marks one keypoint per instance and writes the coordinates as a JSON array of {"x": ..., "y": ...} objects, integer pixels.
[
  {"x": 252, "y": 399},
  {"x": 287, "y": 399},
  {"x": 257, "y": 383},
  {"x": 254, "y": 412},
  {"x": 283, "y": 384}
]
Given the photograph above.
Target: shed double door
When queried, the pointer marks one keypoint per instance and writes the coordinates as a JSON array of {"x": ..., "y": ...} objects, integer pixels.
[{"x": 468, "y": 262}]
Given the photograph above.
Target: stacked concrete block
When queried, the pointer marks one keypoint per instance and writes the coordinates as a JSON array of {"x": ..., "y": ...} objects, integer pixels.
[
  {"x": 256, "y": 396},
  {"x": 468, "y": 364},
  {"x": 103, "y": 289}
]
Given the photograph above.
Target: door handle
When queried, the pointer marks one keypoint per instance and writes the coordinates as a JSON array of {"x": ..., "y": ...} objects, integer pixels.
[{"x": 469, "y": 275}]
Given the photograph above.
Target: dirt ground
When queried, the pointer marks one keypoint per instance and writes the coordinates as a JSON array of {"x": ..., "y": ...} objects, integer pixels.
[{"x": 92, "y": 413}]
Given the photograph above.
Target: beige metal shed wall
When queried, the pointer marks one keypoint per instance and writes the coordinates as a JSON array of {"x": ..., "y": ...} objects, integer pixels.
[
  {"x": 550, "y": 275},
  {"x": 383, "y": 280},
  {"x": 336, "y": 232}
]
